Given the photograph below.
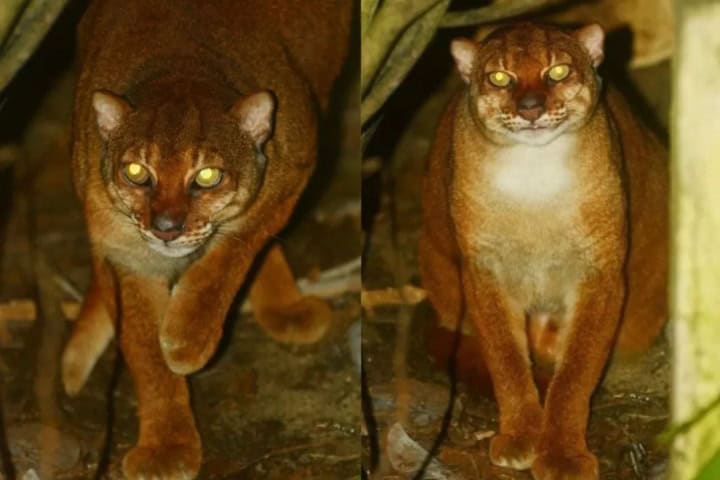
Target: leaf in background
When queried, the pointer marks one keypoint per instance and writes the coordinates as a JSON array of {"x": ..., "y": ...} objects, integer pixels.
[{"x": 711, "y": 470}]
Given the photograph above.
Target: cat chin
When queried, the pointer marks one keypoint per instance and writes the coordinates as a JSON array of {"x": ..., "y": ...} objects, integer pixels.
[
  {"x": 172, "y": 251},
  {"x": 536, "y": 137}
]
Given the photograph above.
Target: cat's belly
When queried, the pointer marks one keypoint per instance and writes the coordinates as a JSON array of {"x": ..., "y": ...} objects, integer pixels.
[
  {"x": 539, "y": 278},
  {"x": 536, "y": 278},
  {"x": 537, "y": 257}
]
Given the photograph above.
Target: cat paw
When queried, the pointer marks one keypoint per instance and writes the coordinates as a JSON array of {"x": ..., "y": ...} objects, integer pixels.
[
  {"x": 582, "y": 466},
  {"x": 75, "y": 370},
  {"x": 186, "y": 354},
  {"x": 189, "y": 334},
  {"x": 512, "y": 451},
  {"x": 305, "y": 321},
  {"x": 167, "y": 462}
]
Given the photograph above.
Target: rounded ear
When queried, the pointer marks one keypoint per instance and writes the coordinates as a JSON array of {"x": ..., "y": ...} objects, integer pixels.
[
  {"x": 592, "y": 37},
  {"x": 256, "y": 114},
  {"x": 110, "y": 111},
  {"x": 464, "y": 51}
]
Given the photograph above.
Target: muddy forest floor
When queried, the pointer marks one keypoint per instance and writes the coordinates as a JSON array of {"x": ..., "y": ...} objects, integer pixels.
[
  {"x": 264, "y": 410},
  {"x": 629, "y": 409}
]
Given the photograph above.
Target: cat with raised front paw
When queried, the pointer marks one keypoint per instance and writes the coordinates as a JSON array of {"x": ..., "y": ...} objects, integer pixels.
[{"x": 194, "y": 132}]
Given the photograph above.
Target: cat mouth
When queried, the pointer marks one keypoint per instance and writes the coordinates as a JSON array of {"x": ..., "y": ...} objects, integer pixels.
[
  {"x": 173, "y": 251},
  {"x": 179, "y": 247}
]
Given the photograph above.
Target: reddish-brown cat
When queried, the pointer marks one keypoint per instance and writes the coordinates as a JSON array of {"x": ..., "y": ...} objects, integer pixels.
[
  {"x": 545, "y": 227},
  {"x": 194, "y": 133}
]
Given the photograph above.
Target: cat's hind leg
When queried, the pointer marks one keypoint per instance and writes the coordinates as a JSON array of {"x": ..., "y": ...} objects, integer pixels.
[
  {"x": 281, "y": 309},
  {"x": 92, "y": 330}
]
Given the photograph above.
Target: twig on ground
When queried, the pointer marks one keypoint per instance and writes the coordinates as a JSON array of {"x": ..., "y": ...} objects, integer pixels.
[
  {"x": 68, "y": 287},
  {"x": 21, "y": 310},
  {"x": 406, "y": 295}
]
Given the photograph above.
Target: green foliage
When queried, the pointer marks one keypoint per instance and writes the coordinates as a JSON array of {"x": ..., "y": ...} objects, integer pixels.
[{"x": 711, "y": 470}]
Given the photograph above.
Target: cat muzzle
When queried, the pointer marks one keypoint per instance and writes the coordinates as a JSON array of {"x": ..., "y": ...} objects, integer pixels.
[
  {"x": 531, "y": 106},
  {"x": 167, "y": 228}
]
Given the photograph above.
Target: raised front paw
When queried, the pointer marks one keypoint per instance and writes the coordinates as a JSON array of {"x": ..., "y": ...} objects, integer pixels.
[
  {"x": 512, "y": 451},
  {"x": 187, "y": 349},
  {"x": 189, "y": 336},
  {"x": 164, "y": 462},
  {"x": 556, "y": 466},
  {"x": 305, "y": 321}
]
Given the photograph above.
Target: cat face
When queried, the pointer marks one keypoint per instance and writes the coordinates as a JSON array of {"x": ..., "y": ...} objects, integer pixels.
[
  {"x": 178, "y": 172},
  {"x": 529, "y": 84}
]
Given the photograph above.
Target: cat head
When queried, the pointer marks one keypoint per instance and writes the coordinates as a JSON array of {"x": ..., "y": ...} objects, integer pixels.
[
  {"x": 530, "y": 83},
  {"x": 178, "y": 170}
]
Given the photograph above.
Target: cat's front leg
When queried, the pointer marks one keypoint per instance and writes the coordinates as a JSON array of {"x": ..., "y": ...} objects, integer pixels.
[
  {"x": 168, "y": 446},
  {"x": 193, "y": 323},
  {"x": 563, "y": 452},
  {"x": 504, "y": 347}
]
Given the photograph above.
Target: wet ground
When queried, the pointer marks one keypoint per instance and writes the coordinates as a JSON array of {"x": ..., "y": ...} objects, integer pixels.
[
  {"x": 630, "y": 407},
  {"x": 264, "y": 410}
]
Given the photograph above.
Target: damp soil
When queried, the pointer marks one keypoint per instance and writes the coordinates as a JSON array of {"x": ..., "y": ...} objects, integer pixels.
[
  {"x": 630, "y": 407},
  {"x": 264, "y": 410}
]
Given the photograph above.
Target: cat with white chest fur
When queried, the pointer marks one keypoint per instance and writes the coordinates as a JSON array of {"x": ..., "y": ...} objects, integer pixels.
[{"x": 545, "y": 230}]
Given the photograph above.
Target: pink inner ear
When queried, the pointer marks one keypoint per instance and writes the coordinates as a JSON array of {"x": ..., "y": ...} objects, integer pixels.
[
  {"x": 110, "y": 111},
  {"x": 255, "y": 113},
  {"x": 592, "y": 38},
  {"x": 464, "y": 52}
]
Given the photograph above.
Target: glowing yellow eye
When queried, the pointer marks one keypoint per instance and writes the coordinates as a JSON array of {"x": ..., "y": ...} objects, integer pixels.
[
  {"x": 136, "y": 173},
  {"x": 558, "y": 72},
  {"x": 500, "y": 79},
  {"x": 208, "y": 177}
]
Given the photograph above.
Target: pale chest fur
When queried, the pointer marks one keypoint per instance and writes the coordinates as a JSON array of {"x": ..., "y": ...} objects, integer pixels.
[
  {"x": 526, "y": 227},
  {"x": 533, "y": 174}
]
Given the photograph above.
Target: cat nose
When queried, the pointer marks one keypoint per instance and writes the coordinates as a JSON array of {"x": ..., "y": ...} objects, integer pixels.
[
  {"x": 167, "y": 228},
  {"x": 531, "y": 106}
]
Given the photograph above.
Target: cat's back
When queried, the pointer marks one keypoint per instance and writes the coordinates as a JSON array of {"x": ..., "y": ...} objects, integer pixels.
[{"x": 252, "y": 36}]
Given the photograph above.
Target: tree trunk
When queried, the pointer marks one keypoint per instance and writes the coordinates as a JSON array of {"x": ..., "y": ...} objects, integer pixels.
[{"x": 695, "y": 277}]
